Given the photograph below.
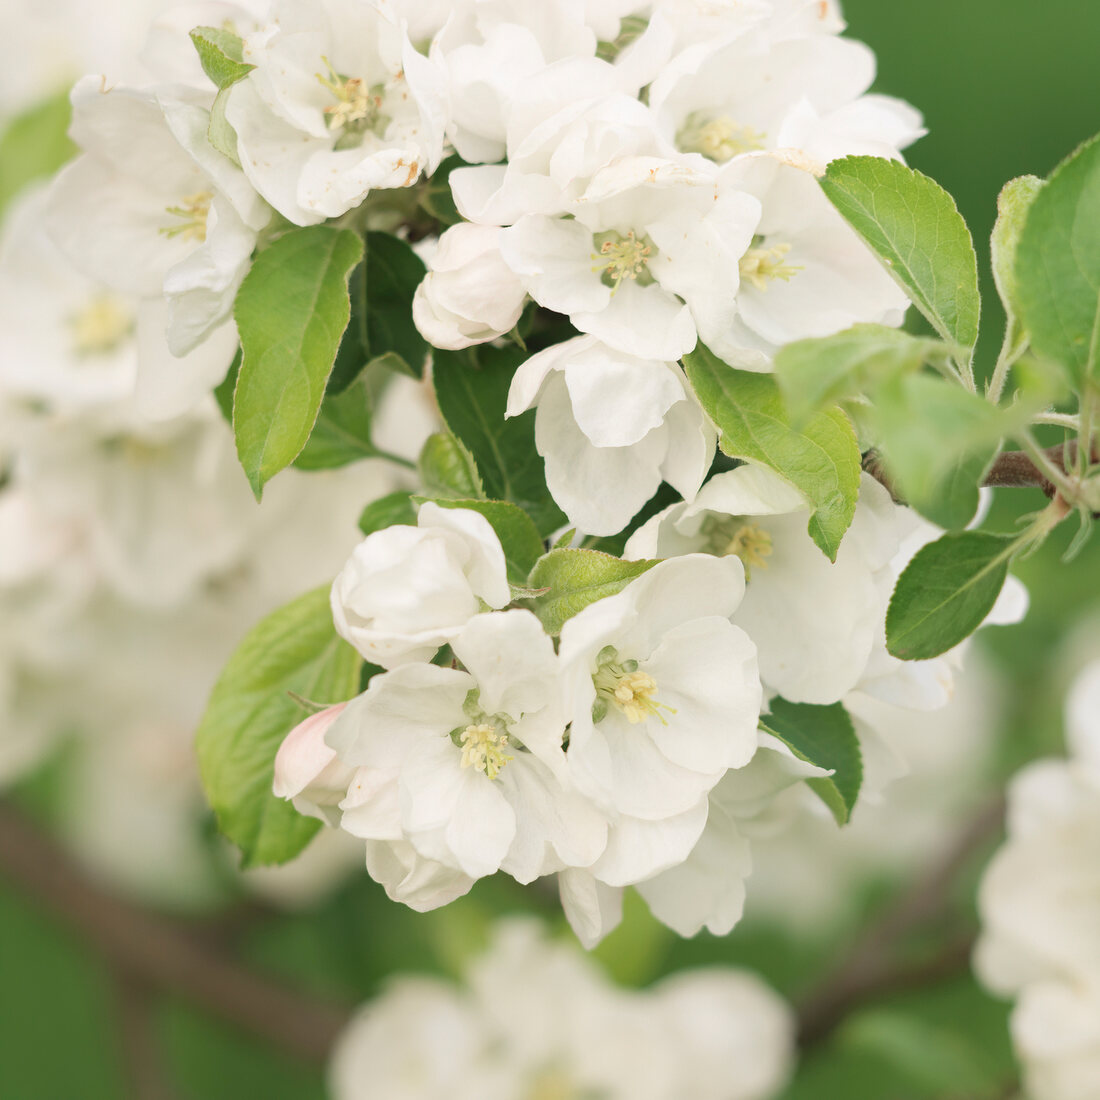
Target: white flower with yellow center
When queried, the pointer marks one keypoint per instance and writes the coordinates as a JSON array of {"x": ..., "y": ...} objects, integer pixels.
[
  {"x": 476, "y": 755},
  {"x": 71, "y": 345},
  {"x": 611, "y": 428},
  {"x": 152, "y": 209},
  {"x": 814, "y": 622},
  {"x": 779, "y": 86},
  {"x": 647, "y": 260},
  {"x": 339, "y": 103},
  {"x": 663, "y": 697},
  {"x": 806, "y": 272}
]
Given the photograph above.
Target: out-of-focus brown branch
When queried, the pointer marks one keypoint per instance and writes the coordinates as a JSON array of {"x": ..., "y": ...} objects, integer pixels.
[
  {"x": 871, "y": 968},
  {"x": 162, "y": 954},
  {"x": 1011, "y": 469}
]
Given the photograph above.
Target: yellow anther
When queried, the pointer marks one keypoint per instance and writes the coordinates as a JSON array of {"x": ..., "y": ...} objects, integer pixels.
[
  {"x": 753, "y": 545},
  {"x": 483, "y": 748},
  {"x": 621, "y": 258},
  {"x": 721, "y": 139},
  {"x": 760, "y": 266},
  {"x": 193, "y": 212},
  {"x": 101, "y": 326},
  {"x": 356, "y": 108}
]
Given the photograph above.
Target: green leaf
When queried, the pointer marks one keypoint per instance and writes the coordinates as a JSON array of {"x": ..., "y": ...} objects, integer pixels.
[
  {"x": 472, "y": 390},
  {"x": 938, "y": 440},
  {"x": 221, "y": 54},
  {"x": 353, "y": 355},
  {"x": 35, "y": 144},
  {"x": 826, "y": 737},
  {"x": 518, "y": 535},
  {"x": 447, "y": 469},
  {"x": 1013, "y": 205},
  {"x": 393, "y": 272},
  {"x": 291, "y": 312},
  {"x": 915, "y": 228},
  {"x": 436, "y": 198},
  {"x": 1058, "y": 265},
  {"x": 821, "y": 459},
  {"x": 576, "y": 578},
  {"x": 342, "y": 434},
  {"x": 223, "y": 391},
  {"x": 387, "y": 511},
  {"x": 296, "y": 649},
  {"x": 945, "y": 593},
  {"x": 814, "y": 374}
]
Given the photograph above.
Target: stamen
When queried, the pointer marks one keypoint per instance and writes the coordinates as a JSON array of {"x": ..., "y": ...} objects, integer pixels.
[
  {"x": 753, "y": 546},
  {"x": 625, "y": 686},
  {"x": 357, "y": 110},
  {"x": 101, "y": 326},
  {"x": 483, "y": 748},
  {"x": 760, "y": 266},
  {"x": 193, "y": 212},
  {"x": 620, "y": 258},
  {"x": 721, "y": 138}
]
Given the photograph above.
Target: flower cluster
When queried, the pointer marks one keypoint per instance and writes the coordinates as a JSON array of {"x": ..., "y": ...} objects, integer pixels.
[
  {"x": 535, "y": 1019},
  {"x": 1040, "y": 910},
  {"x": 630, "y": 755}
]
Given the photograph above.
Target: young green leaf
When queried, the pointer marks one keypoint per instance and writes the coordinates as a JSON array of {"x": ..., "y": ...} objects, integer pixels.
[
  {"x": 291, "y": 312},
  {"x": 516, "y": 530},
  {"x": 945, "y": 593},
  {"x": 576, "y": 578},
  {"x": 1013, "y": 205},
  {"x": 342, "y": 434},
  {"x": 472, "y": 390},
  {"x": 394, "y": 508},
  {"x": 937, "y": 439},
  {"x": 297, "y": 650},
  {"x": 915, "y": 228},
  {"x": 821, "y": 459},
  {"x": 1058, "y": 266},
  {"x": 816, "y": 373},
  {"x": 221, "y": 53},
  {"x": 826, "y": 737},
  {"x": 447, "y": 469}
]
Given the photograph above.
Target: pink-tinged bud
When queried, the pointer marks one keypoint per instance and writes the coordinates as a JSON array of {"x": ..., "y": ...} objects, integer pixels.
[{"x": 309, "y": 772}]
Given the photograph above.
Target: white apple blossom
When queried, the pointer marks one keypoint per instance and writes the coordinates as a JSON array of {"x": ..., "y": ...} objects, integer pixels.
[
  {"x": 814, "y": 622},
  {"x": 406, "y": 591},
  {"x": 611, "y": 427},
  {"x": 806, "y": 273},
  {"x": 535, "y": 1019},
  {"x": 469, "y": 295},
  {"x": 651, "y": 251},
  {"x": 339, "y": 103},
  {"x": 1040, "y": 907},
  {"x": 472, "y": 760},
  {"x": 152, "y": 208},
  {"x": 663, "y": 697},
  {"x": 773, "y": 89},
  {"x": 75, "y": 347}
]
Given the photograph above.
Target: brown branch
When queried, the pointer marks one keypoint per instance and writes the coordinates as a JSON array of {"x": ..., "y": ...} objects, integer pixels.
[
  {"x": 1010, "y": 470},
  {"x": 163, "y": 954},
  {"x": 870, "y": 969}
]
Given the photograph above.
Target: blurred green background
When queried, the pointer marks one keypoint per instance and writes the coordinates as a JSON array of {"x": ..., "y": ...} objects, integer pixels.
[{"x": 1007, "y": 87}]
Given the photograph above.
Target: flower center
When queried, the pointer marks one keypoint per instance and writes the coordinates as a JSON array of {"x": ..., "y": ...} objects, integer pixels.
[
  {"x": 357, "y": 110},
  {"x": 618, "y": 257},
  {"x": 483, "y": 748},
  {"x": 624, "y": 685},
  {"x": 192, "y": 212},
  {"x": 101, "y": 326},
  {"x": 760, "y": 266},
  {"x": 720, "y": 138},
  {"x": 731, "y": 535}
]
